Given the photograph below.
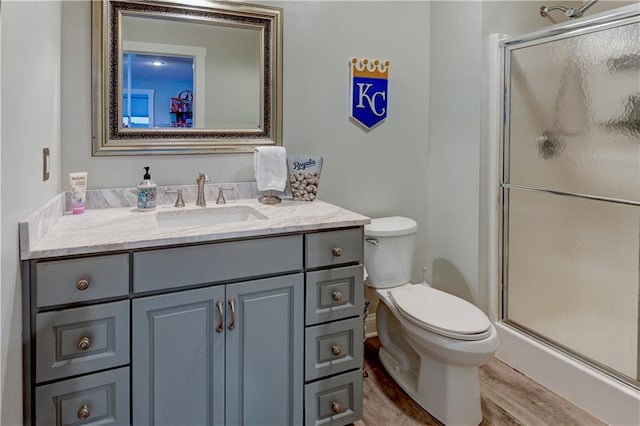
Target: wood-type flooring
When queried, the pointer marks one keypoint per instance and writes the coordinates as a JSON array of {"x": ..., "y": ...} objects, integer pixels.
[{"x": 508, "y": 398}]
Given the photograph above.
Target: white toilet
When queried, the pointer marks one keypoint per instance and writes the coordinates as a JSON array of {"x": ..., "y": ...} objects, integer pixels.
[{"x": 431, "y": 342}]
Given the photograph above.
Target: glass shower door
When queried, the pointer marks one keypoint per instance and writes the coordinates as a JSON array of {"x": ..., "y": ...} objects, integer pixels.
[{"x": 571, "y": 193}]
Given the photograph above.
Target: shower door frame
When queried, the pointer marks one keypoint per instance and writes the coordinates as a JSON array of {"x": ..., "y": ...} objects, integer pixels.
[{"x": 618, "y": 17}]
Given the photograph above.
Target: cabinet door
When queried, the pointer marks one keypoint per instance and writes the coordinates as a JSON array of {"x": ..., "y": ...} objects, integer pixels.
[
  {"x": 264, "y": 352},
  {"x": 178, "y": 359}
]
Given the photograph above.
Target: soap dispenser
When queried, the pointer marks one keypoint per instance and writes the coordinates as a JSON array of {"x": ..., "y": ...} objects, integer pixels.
[{"x": 147, "y": 191}]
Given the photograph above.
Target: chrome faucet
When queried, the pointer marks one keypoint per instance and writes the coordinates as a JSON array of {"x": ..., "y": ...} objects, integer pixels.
[{"x": 200, "y": 180}]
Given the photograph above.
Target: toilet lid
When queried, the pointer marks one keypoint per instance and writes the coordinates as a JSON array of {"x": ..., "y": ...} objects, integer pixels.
[
  {"x": 440, "y": 312},
  {"x": 390, "y": 227}
]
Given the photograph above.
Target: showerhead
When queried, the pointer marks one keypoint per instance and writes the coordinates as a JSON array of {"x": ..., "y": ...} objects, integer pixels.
[{"x": 569, "y": 12}]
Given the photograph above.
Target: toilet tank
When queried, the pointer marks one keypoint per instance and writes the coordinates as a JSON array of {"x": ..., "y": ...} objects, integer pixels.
[{"x": 388, "y": 251}]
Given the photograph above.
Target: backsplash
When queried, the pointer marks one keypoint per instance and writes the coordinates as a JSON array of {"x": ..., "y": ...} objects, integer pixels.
[
  {"x": 127, "y": 197},
  {"x": 34, "y": 226}
]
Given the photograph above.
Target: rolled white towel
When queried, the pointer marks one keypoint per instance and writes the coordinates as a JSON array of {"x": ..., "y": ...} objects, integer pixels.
[{"x": 270, "y": 167}]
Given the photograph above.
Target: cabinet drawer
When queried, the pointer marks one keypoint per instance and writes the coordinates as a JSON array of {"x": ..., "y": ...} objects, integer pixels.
[
  {"x": 81, "y": 340},
  {"x": 333, "y": 348},
  {"x": 333, "y": 248},
  {"x": 80, "y": 280},
  {"x": 161, "y": 269},
  {"x": 334, "y": 401},
  {"x": 334, "y": 294},
  {"x": 99, "y": 399}
]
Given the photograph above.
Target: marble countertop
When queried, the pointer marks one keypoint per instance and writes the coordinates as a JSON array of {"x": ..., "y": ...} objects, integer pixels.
[{"x": 113, "y": 229}]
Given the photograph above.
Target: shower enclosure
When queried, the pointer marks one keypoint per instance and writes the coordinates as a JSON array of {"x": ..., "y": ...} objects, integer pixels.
[{"x": 571, "y": 190}]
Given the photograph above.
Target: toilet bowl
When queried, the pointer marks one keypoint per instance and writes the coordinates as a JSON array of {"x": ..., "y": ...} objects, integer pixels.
[{"x": 431, "y": 342}]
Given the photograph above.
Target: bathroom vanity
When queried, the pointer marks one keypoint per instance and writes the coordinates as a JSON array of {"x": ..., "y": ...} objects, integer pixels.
[{"x": 248, "y": 321}]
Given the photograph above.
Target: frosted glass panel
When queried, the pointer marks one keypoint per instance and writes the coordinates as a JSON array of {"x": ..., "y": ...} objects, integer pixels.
[
  {"x": 575, "y": 114},
  {"x": 573, "y": 274}
]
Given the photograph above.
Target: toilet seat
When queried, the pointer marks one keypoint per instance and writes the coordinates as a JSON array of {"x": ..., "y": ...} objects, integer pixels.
[{"x": 440, "y": 312}]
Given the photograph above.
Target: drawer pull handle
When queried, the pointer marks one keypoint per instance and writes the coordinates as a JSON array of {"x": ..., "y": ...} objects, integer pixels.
[
  {"x": 336, "y": 350},
  {"x": 336, "y": 296},
  {"x": 336, "y": 407},
  {"x": 220, "y": 305},
  {"x": 84, "y": 343},
  {"x": 82, "y": 284},
  {"x": 337, "y": 251},
  {"x": 232, "y": 305},
  {"x": 84, "y": 412}
]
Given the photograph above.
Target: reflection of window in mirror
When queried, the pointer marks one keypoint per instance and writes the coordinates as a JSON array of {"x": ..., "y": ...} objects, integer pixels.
[
  {"x": 176, "y": 75},
  {"x": 166, "y": 82},
  {"x": 138, "y": 108}
]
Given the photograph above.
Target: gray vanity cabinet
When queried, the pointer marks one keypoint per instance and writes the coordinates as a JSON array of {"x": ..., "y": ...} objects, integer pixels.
[
  {"x": 220, "y": 355},
  {"x": 254, "y": 331}
]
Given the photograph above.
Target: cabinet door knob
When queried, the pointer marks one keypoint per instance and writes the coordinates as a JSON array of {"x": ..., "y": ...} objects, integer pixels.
[
  {"x": 84, "y": 343},
  {"x": 336, "y": 296},
  {"x": 337, "y": 251},
  {"x": 336, "y": 350},
  {"x": 82, "y": 284},
  {"x": 84, "y": 412},
  {"x": 336, "y": 407},
  {"x": 220, "y": 305},
  {"x": 232, "y": 305}
]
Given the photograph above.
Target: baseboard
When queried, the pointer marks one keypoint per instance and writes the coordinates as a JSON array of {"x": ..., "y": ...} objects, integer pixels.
[{"x": 370, "y": 329}]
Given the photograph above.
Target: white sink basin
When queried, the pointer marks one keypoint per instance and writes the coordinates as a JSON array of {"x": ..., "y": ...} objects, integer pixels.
[{"x": 208, "y": 216}]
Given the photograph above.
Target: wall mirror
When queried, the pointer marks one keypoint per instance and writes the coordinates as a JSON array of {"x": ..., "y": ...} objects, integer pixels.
[{"x": 185, "y": 77}]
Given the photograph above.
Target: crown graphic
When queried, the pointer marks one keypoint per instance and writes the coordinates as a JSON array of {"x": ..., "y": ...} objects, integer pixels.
[{"x": 370, "y": 69}]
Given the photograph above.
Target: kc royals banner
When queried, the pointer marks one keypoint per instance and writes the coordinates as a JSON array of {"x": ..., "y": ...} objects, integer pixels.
[{"x": 369, "y": 83}]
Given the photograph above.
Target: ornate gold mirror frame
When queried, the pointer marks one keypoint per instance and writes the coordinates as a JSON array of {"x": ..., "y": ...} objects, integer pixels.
[{"x": 113, "y": 137}]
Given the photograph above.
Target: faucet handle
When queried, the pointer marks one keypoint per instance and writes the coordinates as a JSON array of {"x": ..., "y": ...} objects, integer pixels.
[
  {"x": 179, "y": 199},
  {"x": 220, "y": 199}
]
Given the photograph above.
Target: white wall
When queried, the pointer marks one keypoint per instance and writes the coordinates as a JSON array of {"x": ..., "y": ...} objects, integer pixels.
[
  {"x": 30, "y": 105},
  {"x": 454, "y": 151}
]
